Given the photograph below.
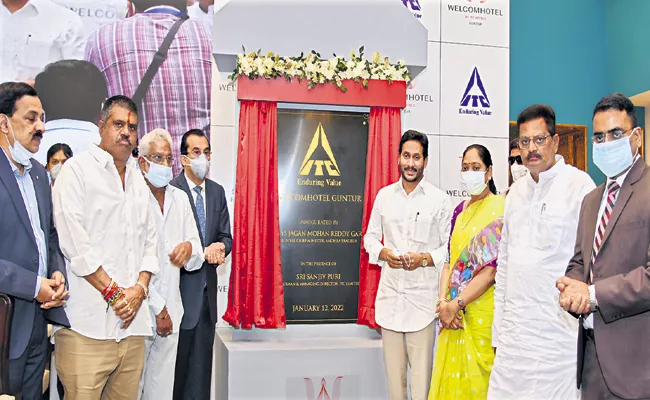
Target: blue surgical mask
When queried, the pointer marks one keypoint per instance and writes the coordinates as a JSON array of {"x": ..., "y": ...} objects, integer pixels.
[
  {"x": 613, "y": 157},
  {"x": 159, "y": 175},
  {"x": 18, "y": 152}
]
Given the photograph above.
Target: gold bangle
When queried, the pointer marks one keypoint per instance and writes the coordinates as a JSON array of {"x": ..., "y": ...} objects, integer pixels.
[{"x": 145, "y": 290}]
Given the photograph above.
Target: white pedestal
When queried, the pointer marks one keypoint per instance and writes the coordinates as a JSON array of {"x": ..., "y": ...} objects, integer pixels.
[{"x": 301, "y": 362}]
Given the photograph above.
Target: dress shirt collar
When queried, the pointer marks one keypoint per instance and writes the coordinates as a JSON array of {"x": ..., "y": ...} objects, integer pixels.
[
  {"x": 70, "y": 124},
  {"x": 419, "y": 187},
  {"x": 105, "y": 159},
  {"x": 31, "y": 4},
  {"x": 551, "y": 173},
  {"x": 191, "y": 184},
  {"x": 13, "y": 166}
]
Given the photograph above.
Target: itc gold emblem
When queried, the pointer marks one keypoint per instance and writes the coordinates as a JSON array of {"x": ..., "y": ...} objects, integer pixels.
[{"x": 330, "y": 165}]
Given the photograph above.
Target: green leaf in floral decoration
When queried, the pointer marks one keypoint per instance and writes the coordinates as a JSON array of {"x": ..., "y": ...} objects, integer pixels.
[
  {"x": 361, "y": 49},
  {"x": 243, "y": 49}
]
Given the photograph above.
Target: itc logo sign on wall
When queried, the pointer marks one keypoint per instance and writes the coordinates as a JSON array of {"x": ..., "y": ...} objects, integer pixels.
[
  {"x": 475, "y": 100},
  {"x": 414, "y": 6},
  {"x": 483, "y": 22}
]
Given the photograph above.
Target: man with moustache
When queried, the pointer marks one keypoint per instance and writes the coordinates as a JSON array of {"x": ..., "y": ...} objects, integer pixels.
[
  {"x": 532, "y": 336},
  {"x": 29, "y": 248},
  {"x": 199, "y": 288},
  {"x": 108, "y": 237},
  {"x": 179, "y": 247},
  {"x": 413, "y": 218},
  {"x": 607, "y": 282}
]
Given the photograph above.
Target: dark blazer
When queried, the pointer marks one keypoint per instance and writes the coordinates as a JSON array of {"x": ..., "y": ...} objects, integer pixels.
[
  {"x": 19, "y": 253},
  {"x": 622, "y": 281},
  {"x": 217, "y": 230}
]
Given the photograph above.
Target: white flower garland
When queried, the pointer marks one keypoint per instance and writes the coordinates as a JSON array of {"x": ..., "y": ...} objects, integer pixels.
[{"x": 318, "y": 71}]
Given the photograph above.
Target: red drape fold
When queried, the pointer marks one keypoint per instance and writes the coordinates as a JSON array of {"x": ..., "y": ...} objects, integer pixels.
[
  {"x": 385, "y": 132},
  {"x": 256, "y": 292}
]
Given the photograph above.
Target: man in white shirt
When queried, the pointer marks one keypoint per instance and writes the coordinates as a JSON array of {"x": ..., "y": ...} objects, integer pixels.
[
  {"x": 95, "y": 13},
  {"x": 34, "y": 33},
  {"x": 413, "y": 217},
  {"x": 179, "y": 246},
  {"x": 203, "y": 10},
  {"x": 108, "y": 237},
  {"x": 533, "y": 337},
  {"x": 71, "y": 119}
]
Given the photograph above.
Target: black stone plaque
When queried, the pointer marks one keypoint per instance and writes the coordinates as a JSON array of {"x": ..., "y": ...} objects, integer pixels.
[{"x": 322, "y": 170}]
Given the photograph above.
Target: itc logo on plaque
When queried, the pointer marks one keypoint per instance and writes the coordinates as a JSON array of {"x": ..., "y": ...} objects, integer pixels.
[
  {"x": 323, "y": 394},
  {"x": 475, "y": 100},
  {"x": 310, "y": 166}
]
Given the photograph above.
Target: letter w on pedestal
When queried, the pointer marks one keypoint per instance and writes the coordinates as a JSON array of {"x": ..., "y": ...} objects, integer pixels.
[{"x": 323, "y": 394}]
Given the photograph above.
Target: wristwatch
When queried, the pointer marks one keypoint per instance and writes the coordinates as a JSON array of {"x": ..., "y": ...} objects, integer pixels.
[{"x": 425, "y": 262}]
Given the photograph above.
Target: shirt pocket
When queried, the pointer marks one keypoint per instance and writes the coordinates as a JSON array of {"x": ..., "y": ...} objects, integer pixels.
[
  {"x": 548, "y": 231},
  {"x": 36, "y": 53},
  {"x": 422, "y": 229}
]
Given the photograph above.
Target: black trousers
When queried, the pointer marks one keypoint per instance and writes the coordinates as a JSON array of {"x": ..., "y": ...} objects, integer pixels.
[
  {"x": 26, "y": 372},
  {"x": 194, "y": 360}
]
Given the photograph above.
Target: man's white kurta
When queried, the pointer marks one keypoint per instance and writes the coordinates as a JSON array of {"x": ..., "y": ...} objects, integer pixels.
[{"x": 536, "y": 340}]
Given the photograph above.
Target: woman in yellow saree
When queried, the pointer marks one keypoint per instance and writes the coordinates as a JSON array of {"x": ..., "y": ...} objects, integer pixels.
[{"x": 464, "y": 354}]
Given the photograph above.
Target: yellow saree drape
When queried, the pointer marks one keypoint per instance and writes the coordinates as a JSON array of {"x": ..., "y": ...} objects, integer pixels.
[{"x": 464, "y": 357}]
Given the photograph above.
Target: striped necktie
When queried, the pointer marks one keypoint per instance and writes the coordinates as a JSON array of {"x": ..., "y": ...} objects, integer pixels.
[{"x": 612, "y": 193}]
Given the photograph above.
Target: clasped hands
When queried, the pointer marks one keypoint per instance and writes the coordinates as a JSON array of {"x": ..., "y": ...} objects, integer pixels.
[
  {"x": 449, "y": 315},
  {"x": 52, "y": 291},
  {"x": 409, "y": 261},
  {"x": 127, "y": 307},
  {"x": 215, "y": 253},
  {"x": 574, "y": 295}
]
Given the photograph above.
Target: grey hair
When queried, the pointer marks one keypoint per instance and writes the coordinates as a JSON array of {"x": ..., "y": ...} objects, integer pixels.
[
  {"x": 119, "y": 100},
  {"x": 156, "y": 134}
]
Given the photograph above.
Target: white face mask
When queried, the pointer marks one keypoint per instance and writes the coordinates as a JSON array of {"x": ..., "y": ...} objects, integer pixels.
[
  {"x": 473, "y": 182},
  {"x": 158, "y": 175},
  {"x": 518, "y": 171},
  {"x": 200, "y": 166},
  {"x": 18, "y": 152},
  {"x": 54, "y": 172}
]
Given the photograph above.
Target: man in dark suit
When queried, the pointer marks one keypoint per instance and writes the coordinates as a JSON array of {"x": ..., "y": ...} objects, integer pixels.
[
  {"x": 199, "y": 288},
  {"x": 607, "y": 282},
  {"x": 29, "y": 248}
]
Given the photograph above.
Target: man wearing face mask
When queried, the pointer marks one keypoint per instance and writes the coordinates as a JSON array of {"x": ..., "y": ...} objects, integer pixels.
[
  {"x": 29, "y": 248},
  {"x": 199, "y": 288},
  {"x": 607, "y": 281},
  {"x": 179, "y": 246},
  {"x": 412, "y": 218},
  {"x": 533, "y": 338}
]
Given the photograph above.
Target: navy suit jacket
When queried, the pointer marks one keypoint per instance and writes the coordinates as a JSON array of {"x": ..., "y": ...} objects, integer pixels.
[
  {"x": 19, "y": 253},
  {"x": 217, "y": 230}
]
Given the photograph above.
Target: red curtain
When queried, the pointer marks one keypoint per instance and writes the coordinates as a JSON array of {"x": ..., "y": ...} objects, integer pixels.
[
  {"x": 256, "y": 292},
  {"x": 385, "y": 132}
]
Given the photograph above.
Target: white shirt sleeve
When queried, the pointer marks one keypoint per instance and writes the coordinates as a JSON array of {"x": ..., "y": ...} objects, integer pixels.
[
  {"x": 439, "y": 254},
  {"x": 156, "y": 301},
  {"x": 374, "y": 234},
  {"x": 150, "y": 255},
  {"x": 191, "y": 234},
  {"x": 68, "y": 204},
  {"x": 500, "y": 279}
]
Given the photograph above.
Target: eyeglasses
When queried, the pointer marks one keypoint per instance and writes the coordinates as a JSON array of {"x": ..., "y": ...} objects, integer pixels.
[
  {"x": 613, "y": 134},
  {"x": 197, "y": 153},
  {"x": 515, "y": 159},
  {"x": 158, "y": 159},
  {"x": 539, "y": 141}
]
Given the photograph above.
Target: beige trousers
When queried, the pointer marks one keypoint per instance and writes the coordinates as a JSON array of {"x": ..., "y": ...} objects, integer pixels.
[
  {"x": 414, "y": 349},
  {"x": 93, "y": 369}
]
